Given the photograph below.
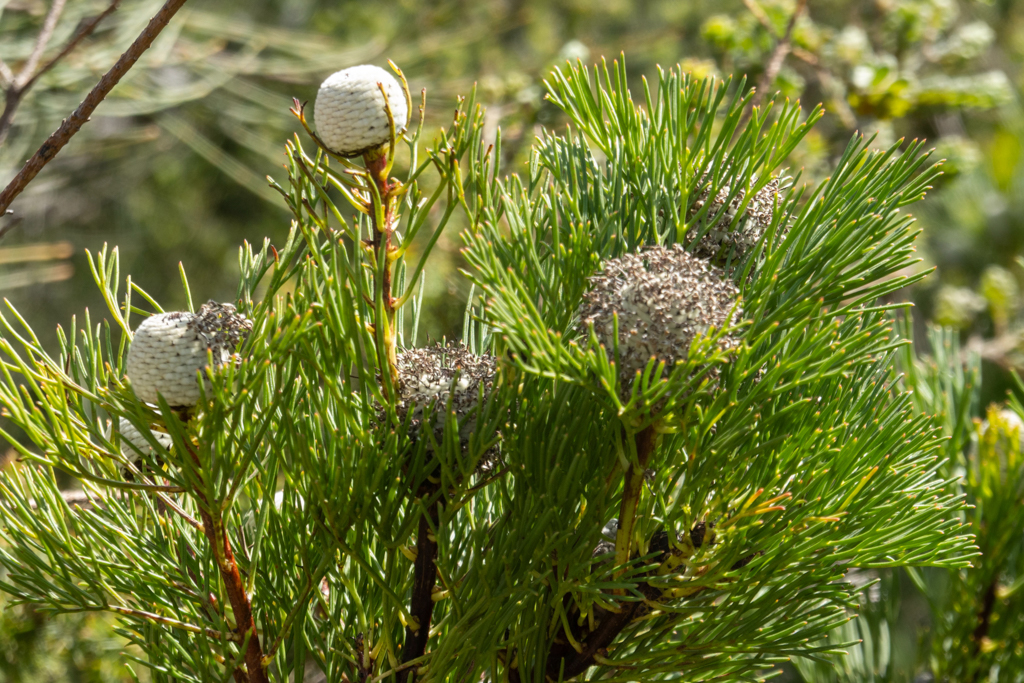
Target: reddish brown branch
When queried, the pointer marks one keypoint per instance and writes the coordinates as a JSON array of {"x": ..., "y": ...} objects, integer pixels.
[
  {"x": 245, "y": 625},
  {"x": 78, "y": 118},
  {"x": 382, "y": 233}
]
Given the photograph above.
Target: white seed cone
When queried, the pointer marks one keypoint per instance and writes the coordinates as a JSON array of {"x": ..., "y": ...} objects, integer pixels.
[
  {"x": 133, "y": 436},
  {"x": 170, "y": 348},
  {"x": 349, "y": 109},
  {"x": 164, "y": 357}
]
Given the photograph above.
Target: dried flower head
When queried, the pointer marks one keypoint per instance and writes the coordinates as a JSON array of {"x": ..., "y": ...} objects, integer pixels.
[
  {"x": 349, "y": 109},
  {"x": 426, "y": 379},
  {"x": 170, "y": 348},
  {"x": 664, "y": 298},
  {"x": 720, "y": 241}
]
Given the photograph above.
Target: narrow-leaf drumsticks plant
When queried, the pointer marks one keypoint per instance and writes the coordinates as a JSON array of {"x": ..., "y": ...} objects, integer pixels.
[{"x": 668, "y": 431}]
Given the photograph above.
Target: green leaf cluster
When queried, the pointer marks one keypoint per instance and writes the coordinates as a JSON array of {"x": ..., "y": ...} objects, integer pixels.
[{"x": 743, "y": 496}]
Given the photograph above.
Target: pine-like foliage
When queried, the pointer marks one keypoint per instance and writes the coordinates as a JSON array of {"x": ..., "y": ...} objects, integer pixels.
[
  {"x": 975, "y": 621},
  {"x": 302, "y": 514}
]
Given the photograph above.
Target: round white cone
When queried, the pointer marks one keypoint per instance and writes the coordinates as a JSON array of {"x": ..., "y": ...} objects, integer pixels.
[{"x": 349, "y": 109}]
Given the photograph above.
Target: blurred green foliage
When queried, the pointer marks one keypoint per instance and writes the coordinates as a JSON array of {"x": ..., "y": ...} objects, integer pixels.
[
  {"x": 172, "y": 169},
  {"x": 37, "y": 649}
]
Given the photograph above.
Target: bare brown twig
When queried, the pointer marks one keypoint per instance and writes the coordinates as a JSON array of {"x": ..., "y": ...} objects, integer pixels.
[
  {"x": 825, "y": 77},
  {"x": 80, "y": 116},
  {"x": 18, "y": 86},
  {"x": 84, "y": 31},
  {"x": 778, "y": 56},
  {"x": 42, "y": 40}
]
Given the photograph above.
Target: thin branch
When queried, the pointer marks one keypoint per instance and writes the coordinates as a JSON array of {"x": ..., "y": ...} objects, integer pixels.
[
  {"x": 78, "y": 497},
  {"x": 564, "y": 660},
  {"x": 83, "y": 32},
  {"x": 6, "y": 75},
  {"x": 84, "y": 498},
  {"x": 632, "y": 486},
  {"x": 78, "y": 118},
  {"x": 42, "y": 40},
  {"x": 192, "y": 521},
  {"x": 778, "y": 56},
  {"x": 12, "y": 98},
  {"x": 825, "y": 77},
  {"x": 18, "y": 86},
  {"x": 157, "y": 618},
  {"x": 761, "y": 16}
]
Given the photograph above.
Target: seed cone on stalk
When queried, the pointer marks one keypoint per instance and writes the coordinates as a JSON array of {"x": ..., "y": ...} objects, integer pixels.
[
  {"x": 168, "y": 350},
  {"x": 426, "y": 383},
  {"x": 664, "y": 298},
  {"x": 136, "y": 438},
  {"x": 130, "y": 436},
  {"x": 350, "y": 113}
]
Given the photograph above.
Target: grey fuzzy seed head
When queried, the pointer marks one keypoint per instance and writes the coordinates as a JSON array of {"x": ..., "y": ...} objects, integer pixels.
[
  {"x": 720, "y": 241},
  {"x": 664, "y": 298},
  {"x": 168, "y": 350},
  {"x": 349, "y": 110},
  {"x": 426, "y": 377}
]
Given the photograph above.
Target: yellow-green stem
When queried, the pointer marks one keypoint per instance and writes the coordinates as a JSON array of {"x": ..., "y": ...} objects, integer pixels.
[{"x": 632, "y": 488}]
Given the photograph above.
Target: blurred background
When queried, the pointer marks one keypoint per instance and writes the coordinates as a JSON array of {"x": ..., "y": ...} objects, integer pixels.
[{"x": 173, "y": 166}]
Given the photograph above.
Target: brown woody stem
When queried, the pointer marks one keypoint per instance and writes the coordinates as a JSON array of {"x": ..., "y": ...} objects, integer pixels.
[
  {"x": 424, "y": 580},
  {"x": 565, "y": 661},
  {"x": 782, "y": 48}
]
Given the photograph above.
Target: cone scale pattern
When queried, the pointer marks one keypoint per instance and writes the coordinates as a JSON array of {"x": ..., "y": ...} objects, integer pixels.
[
  {"x": 168, "y": 350},
  {"x": 349, "y": 111},
  {"x": 134, "y": 437}
]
